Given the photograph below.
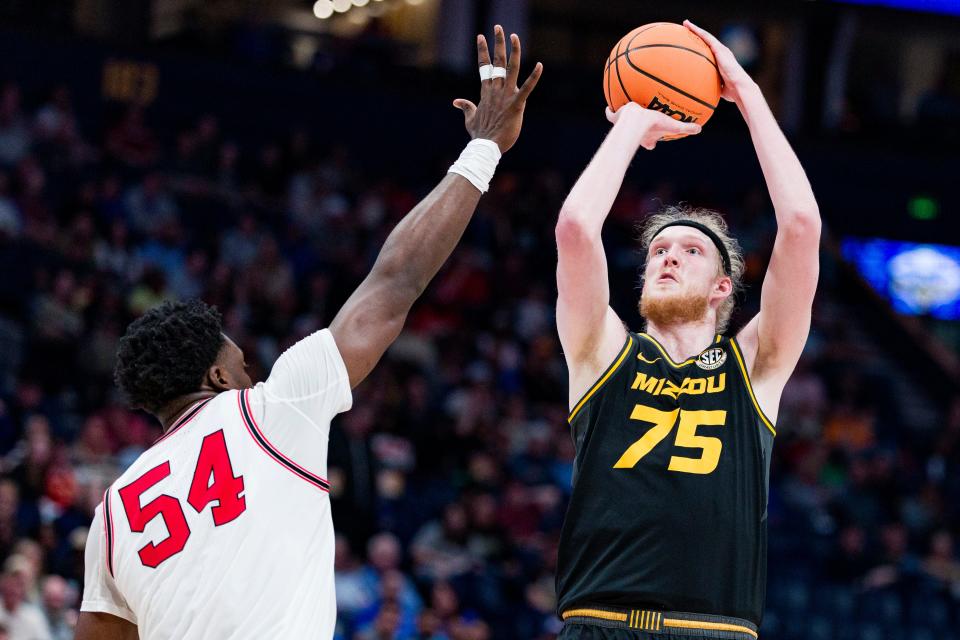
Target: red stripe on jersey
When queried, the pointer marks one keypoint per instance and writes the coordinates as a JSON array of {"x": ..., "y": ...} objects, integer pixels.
[
  {"x": 108, "y": 528},
  {"x": 254, "y": 430}
]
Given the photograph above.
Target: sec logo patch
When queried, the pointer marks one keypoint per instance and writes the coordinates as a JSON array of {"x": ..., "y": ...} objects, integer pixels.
[{"x": 712, "y": 358}]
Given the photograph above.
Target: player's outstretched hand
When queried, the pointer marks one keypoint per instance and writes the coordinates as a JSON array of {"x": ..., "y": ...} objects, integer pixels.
[
  {"x": 647, "y": 127},
  {"x": 732, "y": 74},
  {"x": 499, "y": 115}
]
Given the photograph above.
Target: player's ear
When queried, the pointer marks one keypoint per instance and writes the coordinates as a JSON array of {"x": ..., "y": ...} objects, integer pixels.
[
  {"x": 218, "y": 378},
  {"x": 724, "y": 286}
]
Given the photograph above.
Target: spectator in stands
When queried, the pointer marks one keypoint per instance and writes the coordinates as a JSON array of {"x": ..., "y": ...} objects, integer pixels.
[
  {"x": 59, "y": 600},
  {"x": 352, "y": 470},
  {"x": 15, "y": 137},
  {"x": 898, "y": 564},
  {"x": 114, "y": 254},
  {"x": 11, "y": 221},
  {"x": 150, "y": 206},
  {"x": 445, "y": 605},
  {"x": 131, "y": 142},
  {"x": 849, "y": 561},
  {"x": 382, "y": 581},
  {"x": 440, "y": 547},
  {"x": 239, "y": 246},
  {"x": 24, "y": 620},
  {"x": 56, "y": 134},
  {"x": 55, "y": 120},
  {"x": 386, "y": 626},
  {"x": 942, "y": 563},
  {"x": 353, "y": 592}
]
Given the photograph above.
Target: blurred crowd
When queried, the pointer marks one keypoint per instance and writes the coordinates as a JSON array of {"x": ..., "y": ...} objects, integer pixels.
[{"x": 451, "y": 473}]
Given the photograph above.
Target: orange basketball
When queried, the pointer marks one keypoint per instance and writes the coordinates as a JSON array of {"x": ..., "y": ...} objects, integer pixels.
[{"x": 663, "y": 66}]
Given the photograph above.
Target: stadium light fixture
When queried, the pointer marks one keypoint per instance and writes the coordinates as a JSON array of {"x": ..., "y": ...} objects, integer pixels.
[{"x": 323, "y": 9}]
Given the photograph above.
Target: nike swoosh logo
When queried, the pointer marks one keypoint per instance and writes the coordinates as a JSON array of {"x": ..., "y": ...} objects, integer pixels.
[{"x": 642, "y": 359}]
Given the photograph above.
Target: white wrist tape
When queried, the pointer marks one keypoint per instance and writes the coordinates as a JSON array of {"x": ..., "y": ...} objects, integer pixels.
[{"x": 477, "y": 163}]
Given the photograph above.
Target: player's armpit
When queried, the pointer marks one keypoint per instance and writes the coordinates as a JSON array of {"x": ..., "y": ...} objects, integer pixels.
[
  {"x": 786, "y": 301},
  {"x": 584, "y": 373},
  {"x": 103, "y": 626}
]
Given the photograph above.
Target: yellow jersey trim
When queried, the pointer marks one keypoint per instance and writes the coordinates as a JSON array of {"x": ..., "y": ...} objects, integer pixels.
[
  {"x": 663, "y": 352},
  {"x": 654, "y": 620},
  {"x": 746, "y": 377},
  {"x": 616, "y": 365},
  {"x": 595, "y": 613},
  {"x": 715, "y": 626}
]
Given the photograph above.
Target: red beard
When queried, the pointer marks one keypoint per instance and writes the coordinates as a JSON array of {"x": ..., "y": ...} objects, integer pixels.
[{"x": 672, "y": 309}]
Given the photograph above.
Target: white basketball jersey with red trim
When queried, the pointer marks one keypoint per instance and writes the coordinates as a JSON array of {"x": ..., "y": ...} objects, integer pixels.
[{"x": 223, "y": 529}]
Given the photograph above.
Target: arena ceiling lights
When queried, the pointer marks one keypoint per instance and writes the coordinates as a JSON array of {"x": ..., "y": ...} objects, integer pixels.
[{"x": 324, "y": 9}]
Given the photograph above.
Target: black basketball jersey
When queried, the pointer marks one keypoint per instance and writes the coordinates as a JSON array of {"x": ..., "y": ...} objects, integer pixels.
[{"x": 670, "y": 486}]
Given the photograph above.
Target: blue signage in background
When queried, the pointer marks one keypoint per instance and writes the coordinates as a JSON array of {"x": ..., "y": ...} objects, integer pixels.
[
  {"x": 930, "y": 6},
  {"x": 916, "y": 278}
]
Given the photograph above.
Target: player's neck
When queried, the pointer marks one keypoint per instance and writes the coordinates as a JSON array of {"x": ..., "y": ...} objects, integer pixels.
[
  {"x": 170, "y": 413},
  {"x": 682, "y": 341}
]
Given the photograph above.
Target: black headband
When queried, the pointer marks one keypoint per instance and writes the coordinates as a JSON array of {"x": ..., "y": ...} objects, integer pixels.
[{"x": 709, "y": 233}]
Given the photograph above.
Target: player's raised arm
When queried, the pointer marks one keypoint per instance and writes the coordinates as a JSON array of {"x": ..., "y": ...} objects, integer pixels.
[
  {"x": 590, "y": 331},
  {"x": 777, "y": 335},
  {"x": 373, "y": 316}
]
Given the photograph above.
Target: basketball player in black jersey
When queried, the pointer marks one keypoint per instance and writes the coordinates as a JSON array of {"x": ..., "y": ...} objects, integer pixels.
[{"x": 665, "y": 536}]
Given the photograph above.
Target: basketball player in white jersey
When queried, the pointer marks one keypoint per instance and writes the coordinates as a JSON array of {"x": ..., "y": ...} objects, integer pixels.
[{"x": 222, "y": 529}]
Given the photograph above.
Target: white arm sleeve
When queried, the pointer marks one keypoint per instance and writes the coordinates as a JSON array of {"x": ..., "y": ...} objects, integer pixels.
[
  {"x": 307, "y": 387},
  {"x": 100, "y": 592}
]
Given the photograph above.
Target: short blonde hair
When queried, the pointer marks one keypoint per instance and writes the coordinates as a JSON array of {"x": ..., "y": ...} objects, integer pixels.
[{"x": 713, "y": 221}]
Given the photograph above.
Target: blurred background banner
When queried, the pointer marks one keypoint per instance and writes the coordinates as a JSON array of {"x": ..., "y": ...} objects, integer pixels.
[
  {"x": 933, "y": 6},
  {"x": 256, "y": 154}
]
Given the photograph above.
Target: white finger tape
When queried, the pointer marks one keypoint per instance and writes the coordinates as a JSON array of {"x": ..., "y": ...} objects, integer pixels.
[
  {"x": 486, "y": 72},
  {"x": 499, "y": 72}
]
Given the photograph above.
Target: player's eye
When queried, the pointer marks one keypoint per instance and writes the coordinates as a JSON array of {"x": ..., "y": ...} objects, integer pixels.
[
  {"x": 660, "y": 251},
  {"x": 694, "y": 251}
]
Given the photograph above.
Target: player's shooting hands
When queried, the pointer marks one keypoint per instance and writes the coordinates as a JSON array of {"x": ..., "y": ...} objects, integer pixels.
[
  {"x": 734, "y": 77},
  {"x": 499, "y": 114},
  {"x": 647, "y": 127}
]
